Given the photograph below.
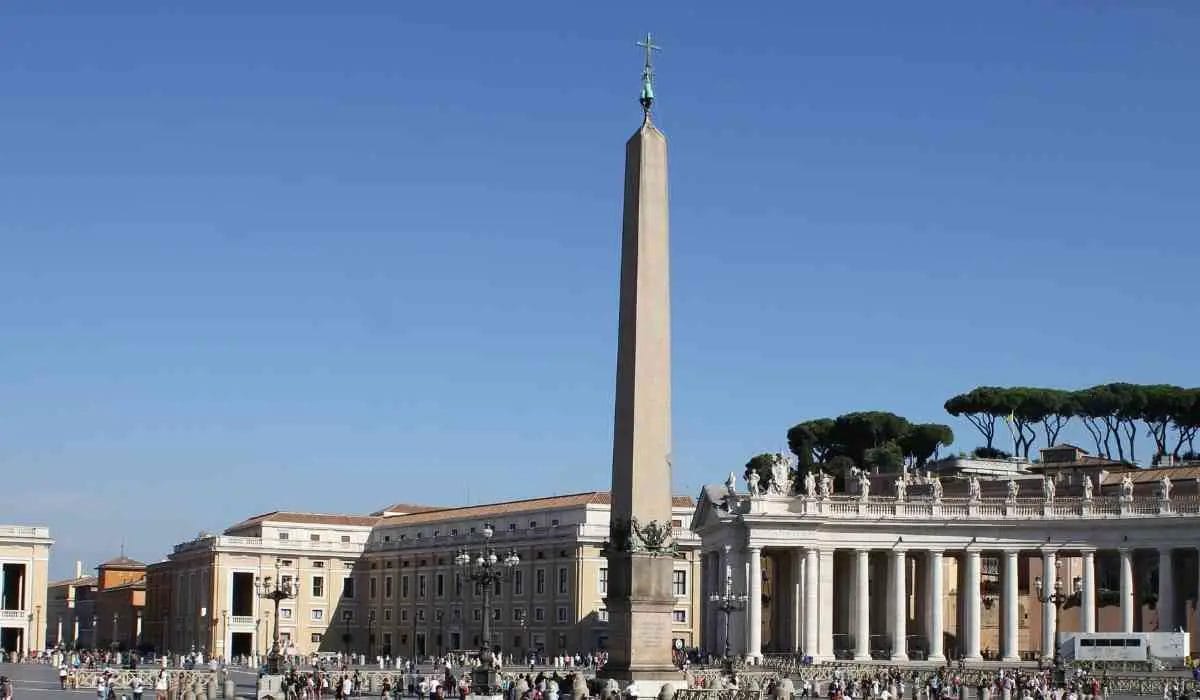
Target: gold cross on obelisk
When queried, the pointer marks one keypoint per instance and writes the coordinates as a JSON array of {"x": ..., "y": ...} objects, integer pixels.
[{"x": 647, "y": 98}]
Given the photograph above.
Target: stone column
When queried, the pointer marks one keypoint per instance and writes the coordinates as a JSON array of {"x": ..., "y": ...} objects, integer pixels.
[
  {"x": 797, "y": 600},
  {"x": 825, "y": 622},
  {"x": 754, "y": 605},
  {"x": 1126, "y": 590},
  {"x": 1166, "y": 591},
  {"x": 811, "y": 600},
  {"x": 971, "y": 605},
  {"x": 898, "y": 608},
  {"x": 1049, "y": 575},
  {"x": 1008, "y": 608},
  {"x": 1087, "y": 595},
  {"x": 933, "y": 592},
  {"x": 862, "y": 605}
]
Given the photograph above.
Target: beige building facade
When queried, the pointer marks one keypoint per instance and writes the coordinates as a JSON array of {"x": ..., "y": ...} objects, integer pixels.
[
  {"x": 386, "y": 583},
  {"x": 418, "y": 602},
  {"x": 24, "y": 565},
  {"x": 207, "y": 595}
]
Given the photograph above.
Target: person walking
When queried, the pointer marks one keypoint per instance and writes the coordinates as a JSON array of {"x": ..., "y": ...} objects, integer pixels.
[
  {"x": 62, "y": 677},
  {"x": 138, "y": 687}
]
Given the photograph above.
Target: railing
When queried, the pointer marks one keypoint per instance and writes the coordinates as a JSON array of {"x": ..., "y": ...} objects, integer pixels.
[
  {"x": 235, "y": 541},
  {"x": 846, "y": 506},
  {"x": 24, "y": 531},
  {"x": 177, "y": 679},
  {"x": 13, "y": 615},
  {"x": 241, "y": 620}
]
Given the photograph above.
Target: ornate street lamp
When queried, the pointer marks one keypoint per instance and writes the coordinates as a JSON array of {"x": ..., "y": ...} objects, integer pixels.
[
  {"x": 276, "y": 589},
  {"x": 728, "y": 602},
  {"x": 486, "y": 568},
  {"x": 1058, "y": 599}
]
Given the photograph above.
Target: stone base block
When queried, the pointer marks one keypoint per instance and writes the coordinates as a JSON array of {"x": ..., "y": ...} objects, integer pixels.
[{"x": 271, "y": 688}]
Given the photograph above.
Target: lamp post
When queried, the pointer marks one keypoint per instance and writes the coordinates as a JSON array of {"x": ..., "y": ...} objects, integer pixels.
[
  {"x": 728, "y": 602},
  {"x": 439, "y": 614},
  {"x": 486, "y": 568},
  {"x": 1058, "y": 599},
  {"x": 275, "y": 589},
  {"x": 370, "y": 634}
]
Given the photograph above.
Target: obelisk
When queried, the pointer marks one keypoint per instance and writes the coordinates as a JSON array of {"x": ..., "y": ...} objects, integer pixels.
[{"x": 640, "y": 550}]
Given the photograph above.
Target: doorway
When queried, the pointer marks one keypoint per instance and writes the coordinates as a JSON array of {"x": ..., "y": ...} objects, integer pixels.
[
  {"x": 241, "y": 643},
  {"x": 11, "y": 638}
]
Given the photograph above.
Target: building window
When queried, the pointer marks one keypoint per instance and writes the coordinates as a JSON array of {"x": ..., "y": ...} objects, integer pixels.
[
  {"x": 318, "y": 586},
  {"x": 518, "y": 583},
  {"x": 562, "y": 580},
  {"x": 387, "y": 586},
  {"x": 387, "y": 614},
  {"x": 285, "y": 613},
  {"x": 421, "y": 586},
  {"x": 346, "y": 538},
  {"x": 518, "y": 614},
  {"x": 679, "y": 581},
  {"x": 539, "y": 615},
  {"x": 496, "y": 614},
  {"x": 476, "y": 615},
  {"x": 458, "y": 585},
  {"x": 348, "y": 587},
  {"x": 603, "y": 581},
  {"x": 404, "y": 615},
  {"x": 539, "y": 582},
  {"x": 318, "y": 565},
  {"x": 404, "y": 586},
  {"x": 420, "y": 614},
  {"x": 440, "y": 582},
  {"x": 371, "y": 588},
  {"x": 316, "y": 637},
  {"x": 679, "y": 616},
  {"x": 283, "y": 535},
  {"x": 314, "y": 538},
  {"x": 562, "y": 614},
  {"x": 602, "y": 614},
  {"x": 318, "y": 614}
]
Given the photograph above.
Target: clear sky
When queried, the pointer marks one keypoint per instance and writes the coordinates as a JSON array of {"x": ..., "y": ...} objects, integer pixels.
[{"x": 327, "y": 256}]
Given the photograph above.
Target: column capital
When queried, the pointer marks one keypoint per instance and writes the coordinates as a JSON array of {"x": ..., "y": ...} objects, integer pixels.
[
  {"x": 754, "y": 548},
  {"x": 1049, "y": 549}
]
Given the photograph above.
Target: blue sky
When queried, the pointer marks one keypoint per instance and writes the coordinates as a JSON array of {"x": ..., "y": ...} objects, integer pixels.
[{"x": 327, "y": 256}]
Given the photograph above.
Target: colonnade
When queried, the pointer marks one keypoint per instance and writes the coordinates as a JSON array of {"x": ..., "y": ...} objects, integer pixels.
[{"x": 915, "y": 590}]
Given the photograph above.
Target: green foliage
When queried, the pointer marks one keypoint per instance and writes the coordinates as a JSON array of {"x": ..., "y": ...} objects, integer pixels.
[
  {"x": 885, "y": 459},
  {"x": 922, "y": 441},
  {"x": 855, "y": 433},
  {"x": 760, "y": 463},
  {"x": 1110, "y": 413},
  {"x": 811, "y": 442},
  {"x": 984, "y": 452}
]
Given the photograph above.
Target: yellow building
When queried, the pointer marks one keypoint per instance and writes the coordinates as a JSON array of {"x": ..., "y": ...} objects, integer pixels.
[
  {"x": 418, "y": 602},
  {"x": 24, "y": 561},
  {"x": 205, "y": 596},
  {"x": 386, "y": 584}
]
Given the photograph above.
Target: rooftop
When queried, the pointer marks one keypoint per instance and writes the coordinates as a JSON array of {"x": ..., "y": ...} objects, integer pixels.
[
  {"x": 527, "y": 505},
  {"x": 289, "y": 517},
  {"x": 1153, "y": 474},
  {"x": 81, "y": 581},
  {"x": 122, "y": 562}
]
